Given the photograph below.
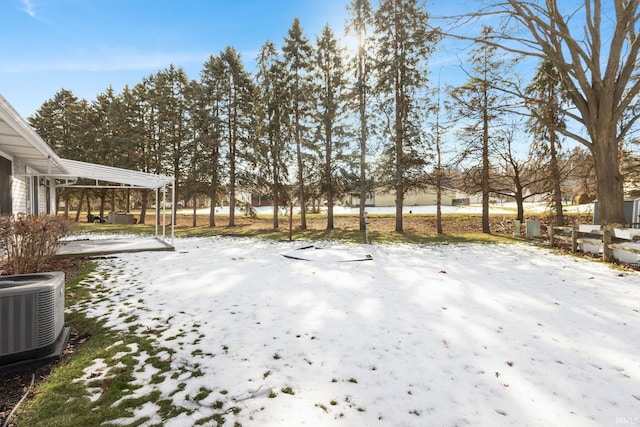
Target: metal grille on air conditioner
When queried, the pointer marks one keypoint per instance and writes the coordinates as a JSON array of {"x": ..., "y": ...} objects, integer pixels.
[{"x": 31, "y": 311}]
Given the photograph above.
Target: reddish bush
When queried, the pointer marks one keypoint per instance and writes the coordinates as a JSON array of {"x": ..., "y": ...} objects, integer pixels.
[{"x": 28, "y": 241}]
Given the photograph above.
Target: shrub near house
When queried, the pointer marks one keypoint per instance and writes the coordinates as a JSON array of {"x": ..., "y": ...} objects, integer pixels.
[{"x": 27, "y": 241}]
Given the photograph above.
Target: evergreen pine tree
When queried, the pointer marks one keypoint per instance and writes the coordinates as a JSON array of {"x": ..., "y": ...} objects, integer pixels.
[
  {"x": 361, "y": 19},
  {"x": 331, "y": 89},
  {"x": 272, "y": 119},
  {"x": 297, "y": 54},
  {"x": 404, "y": 42},
  {"x": 545, "y": 99},
  {"x": 236, "y": 112},
  {"x": 212, "y": 85}
]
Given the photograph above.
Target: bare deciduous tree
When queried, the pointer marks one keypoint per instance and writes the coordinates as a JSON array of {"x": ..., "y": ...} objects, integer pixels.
[{"x": 594, "y": 47}]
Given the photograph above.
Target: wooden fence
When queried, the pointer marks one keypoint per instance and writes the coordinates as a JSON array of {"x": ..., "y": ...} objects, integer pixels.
[{"x": 595, "y": 238}]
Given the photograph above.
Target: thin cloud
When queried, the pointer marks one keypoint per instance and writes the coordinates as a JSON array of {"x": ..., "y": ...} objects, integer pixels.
[
  {"x": 109, "y": 60},
  {"x": 28, "y": 8}
]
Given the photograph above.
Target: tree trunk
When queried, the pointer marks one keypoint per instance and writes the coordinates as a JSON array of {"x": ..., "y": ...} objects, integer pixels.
[
  {"x": 485, "y": 164},
  {"x": 555, "y": 176},
  {"x": 399, "y": 204},
  {"x": 519, "y": 204},
  {"x": 103, "y": 202},
  {"x": 438, "y": 170},
  {"x": 66, "y": 204},
  {"x": 212, "y": 209},
  {"x": 88, "y": 205},
  {"x": 363, "y": 137},
  {"x": 485, "y": 180},
  {"x": 399, "y": 131},
  {"x": 275, "y": 194},
  {"x": 439, "y": 229},
  {"x": 212, "y": 195},
  {"x": 143, "y": 208},
  {"x": 232, "y": 121},
  {"x": 361, "y": 208},
  {"x": 82, "y": 194},
  {"x": 330, "y": 211},
  {"x": 276, "y": 225},
  {"x": 303, "y": 216},
  {"x": 194, "y": 222},
  {"x": 609, "y": 180},
  {"x": 328, "y": 174},
  {"x": 232, "y": 197}
]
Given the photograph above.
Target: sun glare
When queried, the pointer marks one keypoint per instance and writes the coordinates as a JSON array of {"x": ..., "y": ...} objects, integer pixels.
[{"x": 350, "y": 45}]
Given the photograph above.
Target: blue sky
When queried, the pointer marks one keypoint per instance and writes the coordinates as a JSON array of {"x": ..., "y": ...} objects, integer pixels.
[{"x": 87, "y": 45}]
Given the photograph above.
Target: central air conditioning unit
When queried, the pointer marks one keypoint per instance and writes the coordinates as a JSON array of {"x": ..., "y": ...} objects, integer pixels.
[{"x": 31, "y": 316}]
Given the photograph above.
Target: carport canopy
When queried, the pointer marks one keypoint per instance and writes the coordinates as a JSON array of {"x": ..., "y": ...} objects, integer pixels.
[
  {"x": 106, "y": 176},
  {"x": 113, "y": 177}
]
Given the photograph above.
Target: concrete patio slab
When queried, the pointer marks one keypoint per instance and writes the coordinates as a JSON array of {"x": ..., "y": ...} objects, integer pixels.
[{"x": 98, "y": 247}]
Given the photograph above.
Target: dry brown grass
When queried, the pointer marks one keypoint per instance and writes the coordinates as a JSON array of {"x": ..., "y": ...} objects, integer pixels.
[{"x": 381, "y": 227}]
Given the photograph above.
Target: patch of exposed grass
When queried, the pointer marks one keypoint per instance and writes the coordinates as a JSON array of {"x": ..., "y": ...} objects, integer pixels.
[
  {"x": 63, "y": 399},
  {"x": 321, "y": 406},
  {"x": 219, "y": 420},
  {"x": 203, "y": 393},
  {"x": 287, "y": 390}
]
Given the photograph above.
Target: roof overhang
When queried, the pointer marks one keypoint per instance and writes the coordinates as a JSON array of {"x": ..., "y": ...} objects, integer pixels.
[{"x": 20, "y": 141}]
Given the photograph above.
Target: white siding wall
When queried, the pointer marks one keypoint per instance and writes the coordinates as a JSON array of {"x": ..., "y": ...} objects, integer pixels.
[
  {"x": 53, "y": 201},
  {"x": 23, "y": 191},
  {"x": 19, "y": 188}
]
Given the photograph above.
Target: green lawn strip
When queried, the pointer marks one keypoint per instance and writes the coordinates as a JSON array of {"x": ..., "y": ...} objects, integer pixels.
[{"x": 64, "y": 398}]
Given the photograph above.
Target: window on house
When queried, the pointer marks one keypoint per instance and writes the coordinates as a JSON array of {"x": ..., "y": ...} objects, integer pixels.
[{"x": 6, "y": 198}]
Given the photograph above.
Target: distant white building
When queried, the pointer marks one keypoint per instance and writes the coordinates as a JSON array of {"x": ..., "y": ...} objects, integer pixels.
[{"x": 381, "y": 197}]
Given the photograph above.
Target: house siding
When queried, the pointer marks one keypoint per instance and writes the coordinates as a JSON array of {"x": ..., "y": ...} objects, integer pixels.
[
  {"x": 368, "y": 201},
  {"x": 415, "y": 197},
  {"x": 25, "y": 199},
  {"x": 19, "y": 187}
]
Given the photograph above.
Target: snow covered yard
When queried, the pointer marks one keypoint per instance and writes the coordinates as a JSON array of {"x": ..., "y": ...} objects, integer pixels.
[{"x": 472, "y": 334}]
